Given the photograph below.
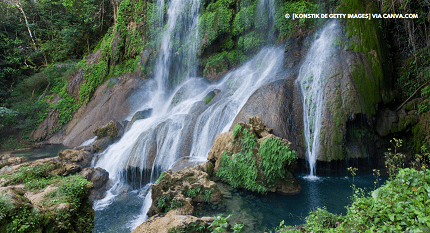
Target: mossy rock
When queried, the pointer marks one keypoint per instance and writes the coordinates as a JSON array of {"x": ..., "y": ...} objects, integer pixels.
[
  {"x": 110, "y": 130},
  {"x": 179, "y": 191},
  {"x": 34, "y": 198},
  {"x": 250, "y": 157}
]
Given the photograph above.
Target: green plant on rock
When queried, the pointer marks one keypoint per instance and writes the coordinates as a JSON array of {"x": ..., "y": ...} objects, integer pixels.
[
  {"x": 275, "y": 155},
  {"x": 241, "y": 169},
  {"x": 208, "y": 194},
  {"x": 320, "y": 220}
]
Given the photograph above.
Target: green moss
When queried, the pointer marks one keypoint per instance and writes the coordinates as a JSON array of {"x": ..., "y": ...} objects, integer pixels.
[{"x": 366, "y": 37}]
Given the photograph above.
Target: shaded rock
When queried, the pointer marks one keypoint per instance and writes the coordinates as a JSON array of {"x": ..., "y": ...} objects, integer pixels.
[
  {"x": 162, "y": 224},
  {"x": 99, "y": 177},
  {"x": 81, "y": 157},
  {"x": 47, "y": 127},
  {"x": 138, "y": 116},
  {"x": 178, "y": 191},
  {"x": 211, "y": 95},
  {"x": 102, "y": 144},
  {"x": 384, "y": 121},
  {"x": 73, "y": 84},
  {"x": 142, "y": 114}
]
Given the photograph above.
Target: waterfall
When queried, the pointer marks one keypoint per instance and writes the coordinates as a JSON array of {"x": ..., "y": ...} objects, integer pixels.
[
  {"x": 311, "y": 80},
  {"x": 182, "y": 125}
]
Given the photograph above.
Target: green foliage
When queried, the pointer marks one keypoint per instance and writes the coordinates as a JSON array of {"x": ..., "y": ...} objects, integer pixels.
[
  {"x": 394, "y": 161},
  {"x": 422, "y": 108},
  {"x": 241, "y": 169},
  {"x": 236, "y": 130},
  {"x": 29, "y": 174},
  {"x": 190, "y": 227},
  {"x": 208, "y": 194},
  {"x": 275, "y": 155},
  {"x": 320, "y": 220},
  {"x": 219, "y": 224},
  {"x": 414, "y": 73}
]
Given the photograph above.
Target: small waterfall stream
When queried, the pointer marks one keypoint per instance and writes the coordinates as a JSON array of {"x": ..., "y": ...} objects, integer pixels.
[{"x": 311, "y": 81}]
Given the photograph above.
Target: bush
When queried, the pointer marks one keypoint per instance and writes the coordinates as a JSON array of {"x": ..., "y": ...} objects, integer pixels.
[{"x": 241, "y": 169}]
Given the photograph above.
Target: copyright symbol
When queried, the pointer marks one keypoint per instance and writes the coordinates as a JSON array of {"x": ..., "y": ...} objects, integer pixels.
[{"x": 287, "y": 16}]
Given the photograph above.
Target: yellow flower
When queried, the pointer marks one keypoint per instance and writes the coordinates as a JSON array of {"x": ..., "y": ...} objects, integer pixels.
[{"x": 414, "y": 189}]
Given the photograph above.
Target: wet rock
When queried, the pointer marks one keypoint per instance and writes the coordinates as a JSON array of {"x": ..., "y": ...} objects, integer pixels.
[
  {"x": 102, "y": 144},
  {"x": 99, "y": 177},
  {"x": 278, "y": 105},
  {"x": 178, "y": 191},
  {"x": 81, "y": 157},
  {"x": 211, "y": 95},
  {"x": 138, "y": 116}
]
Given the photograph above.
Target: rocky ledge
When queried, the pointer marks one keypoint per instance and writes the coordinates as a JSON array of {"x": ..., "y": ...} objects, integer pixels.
[{"x": 49, "y": 195}]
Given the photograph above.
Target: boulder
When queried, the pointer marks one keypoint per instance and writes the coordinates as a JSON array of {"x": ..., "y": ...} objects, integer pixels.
[
  {"x": 384, "y": 121},
  {"x": 178, "y": 191},
  {"x": 7, "y": 160},
  {"x": 81, "y": 157},
  {"x": 99, "y": 177},
  {"x": 109, "y": 130},
  {"x": 102, "y": 144},
  {"x": 172, "y": 221},
  {"x": 138, "y": 116}
]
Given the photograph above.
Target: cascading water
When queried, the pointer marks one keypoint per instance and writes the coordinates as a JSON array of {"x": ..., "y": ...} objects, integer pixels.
[
  {"x": 154, "y": 144},
  {"x": 311, "y": 81}
]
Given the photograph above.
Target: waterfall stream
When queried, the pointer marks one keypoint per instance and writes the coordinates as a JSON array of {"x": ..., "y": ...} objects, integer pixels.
[{"x": 311, "y": 80}]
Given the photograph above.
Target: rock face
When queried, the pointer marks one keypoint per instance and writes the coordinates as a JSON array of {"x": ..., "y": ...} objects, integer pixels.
[
  {"x": 242, "y": 148},
  {"x": 108, "y": 103},
  {"x": 278, "y": 105},
  {"x": 45, "y": 196}
]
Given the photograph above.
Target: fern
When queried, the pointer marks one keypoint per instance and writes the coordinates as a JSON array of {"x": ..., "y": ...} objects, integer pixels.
[{"x": 275, "y": 155}]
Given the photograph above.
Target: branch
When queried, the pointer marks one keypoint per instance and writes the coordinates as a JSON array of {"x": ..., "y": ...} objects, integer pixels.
[{"x": 411, "y": 96}]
